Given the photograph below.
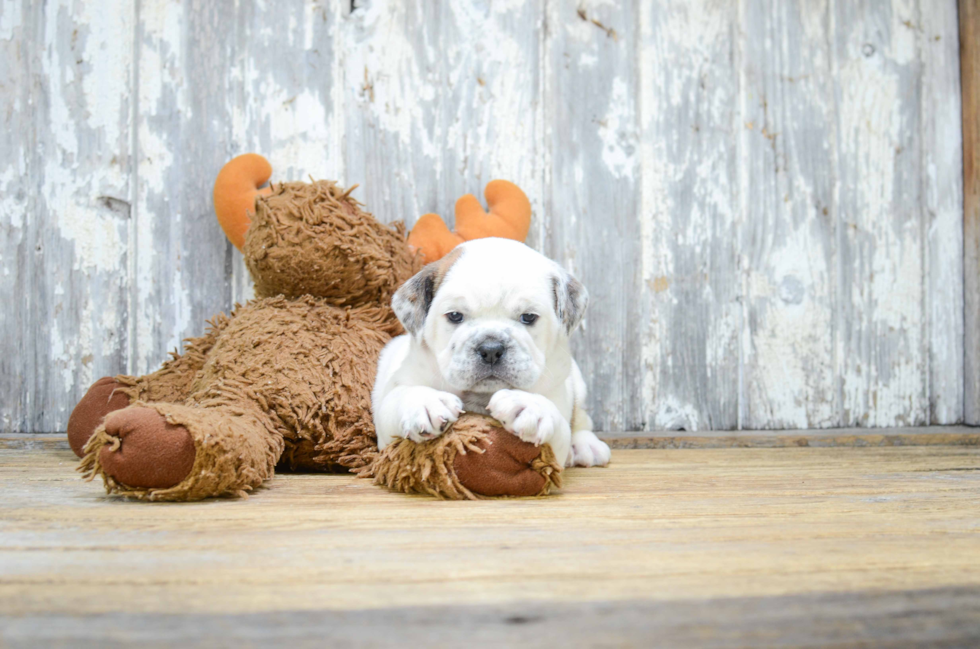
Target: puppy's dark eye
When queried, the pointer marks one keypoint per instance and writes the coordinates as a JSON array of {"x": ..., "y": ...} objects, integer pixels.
[
  {"x": 454, "y": 317},
  {"x": 528, "y": 318}
]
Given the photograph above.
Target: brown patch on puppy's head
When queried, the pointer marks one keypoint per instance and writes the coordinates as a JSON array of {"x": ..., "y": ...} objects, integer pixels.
[{"x": 412, "y": 301}]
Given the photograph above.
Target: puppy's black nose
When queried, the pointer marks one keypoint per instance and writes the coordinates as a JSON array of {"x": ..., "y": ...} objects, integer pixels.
[{"x": 491, "y": 351}]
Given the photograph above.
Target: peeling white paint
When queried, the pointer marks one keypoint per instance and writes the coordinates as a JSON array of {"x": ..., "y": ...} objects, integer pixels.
[
  {"x": 71, "y": 184},
  {"x": 387, "y": 71},
  {"x": 161, "y": 89},
  {"x": 499, "y": 120},
  {"x": 943, "y": 197},
  {"x": 74, "y": 145},
  {"x": 10, "y": 19},
  {"x": 616, "y": 132},
  {"x": 301, "y": 129},
  {"x": 853, "y": 315},
  {"x": 11, "y": 207},
  {"x": 688, "y": 216},
  {"x": 884, "y": 382},
  {"x": 674, "y": 414},
  {"x": 794, "y": 339}
]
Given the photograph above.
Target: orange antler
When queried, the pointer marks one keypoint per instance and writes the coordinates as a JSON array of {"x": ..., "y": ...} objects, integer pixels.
[
  {"x": 509, "y": 217},
  {"x": 431, "y": 236},
  {"x": 235, "y": 190}
]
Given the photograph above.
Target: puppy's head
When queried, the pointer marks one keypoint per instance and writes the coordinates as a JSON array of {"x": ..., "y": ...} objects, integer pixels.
[{"x": 495, "y": 314}]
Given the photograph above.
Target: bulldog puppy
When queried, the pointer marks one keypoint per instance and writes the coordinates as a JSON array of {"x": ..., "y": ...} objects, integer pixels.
[{"x": 488, "y": 329}]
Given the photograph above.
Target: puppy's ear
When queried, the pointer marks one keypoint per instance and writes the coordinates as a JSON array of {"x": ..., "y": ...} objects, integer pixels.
[
  {"x": 571, "y": 300},
  {"x": 411, "y": 302}
]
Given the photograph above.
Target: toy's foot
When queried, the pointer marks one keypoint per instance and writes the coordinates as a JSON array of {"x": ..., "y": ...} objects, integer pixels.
[
  {"x": 150, "y": 453},
  {"x": 101, "y": 399},
  {"x": 504, "y": 469}
]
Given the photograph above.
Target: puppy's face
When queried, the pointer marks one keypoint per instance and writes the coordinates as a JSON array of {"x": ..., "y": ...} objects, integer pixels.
[{"x": 495, "y": 314}]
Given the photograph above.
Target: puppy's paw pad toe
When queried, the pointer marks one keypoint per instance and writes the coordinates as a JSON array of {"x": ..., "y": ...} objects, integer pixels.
[{"x": 588, "y": 450}]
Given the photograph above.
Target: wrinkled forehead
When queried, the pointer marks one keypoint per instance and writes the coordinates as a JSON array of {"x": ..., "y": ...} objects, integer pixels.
[{"x": 499, "y": 272}]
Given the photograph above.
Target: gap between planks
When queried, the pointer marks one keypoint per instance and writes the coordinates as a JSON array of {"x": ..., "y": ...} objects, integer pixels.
[{"x": 673, "y": 439}]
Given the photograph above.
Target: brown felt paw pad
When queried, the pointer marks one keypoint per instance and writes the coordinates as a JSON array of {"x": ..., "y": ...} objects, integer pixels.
[
  {"x": 101, "y": 399},
  {"x": 505, "y": 469},
  {"x": 150, "y": 452}
]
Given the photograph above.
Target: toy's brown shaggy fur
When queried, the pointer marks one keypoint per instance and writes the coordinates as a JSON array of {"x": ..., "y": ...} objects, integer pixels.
[
  {"x": 314, "y": 239},
  {"x": 285, "y": 380},
  {"x": 442, "y": 467}
]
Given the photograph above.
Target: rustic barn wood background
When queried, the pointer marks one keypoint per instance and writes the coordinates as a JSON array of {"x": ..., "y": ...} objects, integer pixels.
[{"x": 764, "y": 197}]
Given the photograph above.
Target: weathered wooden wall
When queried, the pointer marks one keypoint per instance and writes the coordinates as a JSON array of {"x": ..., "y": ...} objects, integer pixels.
[
  {"x": 970, "y": 76},
  {"x": 764, "y": 197}
]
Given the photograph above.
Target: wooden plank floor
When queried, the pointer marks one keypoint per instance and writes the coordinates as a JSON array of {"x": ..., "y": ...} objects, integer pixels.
[{"x": 717, "y": 547}]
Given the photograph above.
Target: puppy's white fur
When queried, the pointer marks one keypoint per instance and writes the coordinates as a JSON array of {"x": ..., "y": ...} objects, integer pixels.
[{"x": 429, "y": 376}]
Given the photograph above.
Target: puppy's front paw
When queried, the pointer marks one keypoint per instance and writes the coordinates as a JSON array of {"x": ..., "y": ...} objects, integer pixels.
[
  {"x": 531, "y": 417},
  {"x": 588, "y": 450},
  {"x": 426, "y": 413}
]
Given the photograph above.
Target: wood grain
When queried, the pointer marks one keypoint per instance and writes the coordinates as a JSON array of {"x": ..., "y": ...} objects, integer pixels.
[
  {"x": 490, "y": 102},
  {"x": 592, "y": 166},
  {"x": 929, "y": 617},
  {"x": 808, "y": 438},
  {"x": 969, "y": 31},
  {"x": 689, "y": 215},
  {"x": 18, "y": 198},
  {"x": 65, "y": 181},
  {"x": 439, "y": 99},
  {"x": 788, "y": 242},
  {"x": 942, "y": 188},
  {"x": 656, "y": 528},
  {"x": 392, "y": 116},
  {"x": 174, "y": 245},
  {"x": 884, "y": 351},
  {"x": 763, "y": 197},
  {"x": 672, "y": 438}
]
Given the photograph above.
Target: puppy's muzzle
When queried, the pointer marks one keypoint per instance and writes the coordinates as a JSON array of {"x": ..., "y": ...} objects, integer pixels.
[{"x": 491, "y": 351}]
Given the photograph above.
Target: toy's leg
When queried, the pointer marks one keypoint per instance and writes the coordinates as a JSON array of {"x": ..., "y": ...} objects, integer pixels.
[
  {"x": 172, "y": 383},
  {"x": 165, "y": 451},
  {"x": 101, "y": 399},
  {"x": 507, "y": 467},
  {"x": 475, "y": 458}
]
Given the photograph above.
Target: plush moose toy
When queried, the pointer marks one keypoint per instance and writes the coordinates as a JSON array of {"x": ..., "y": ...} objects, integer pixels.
[{"x": 285, "y": 380}]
